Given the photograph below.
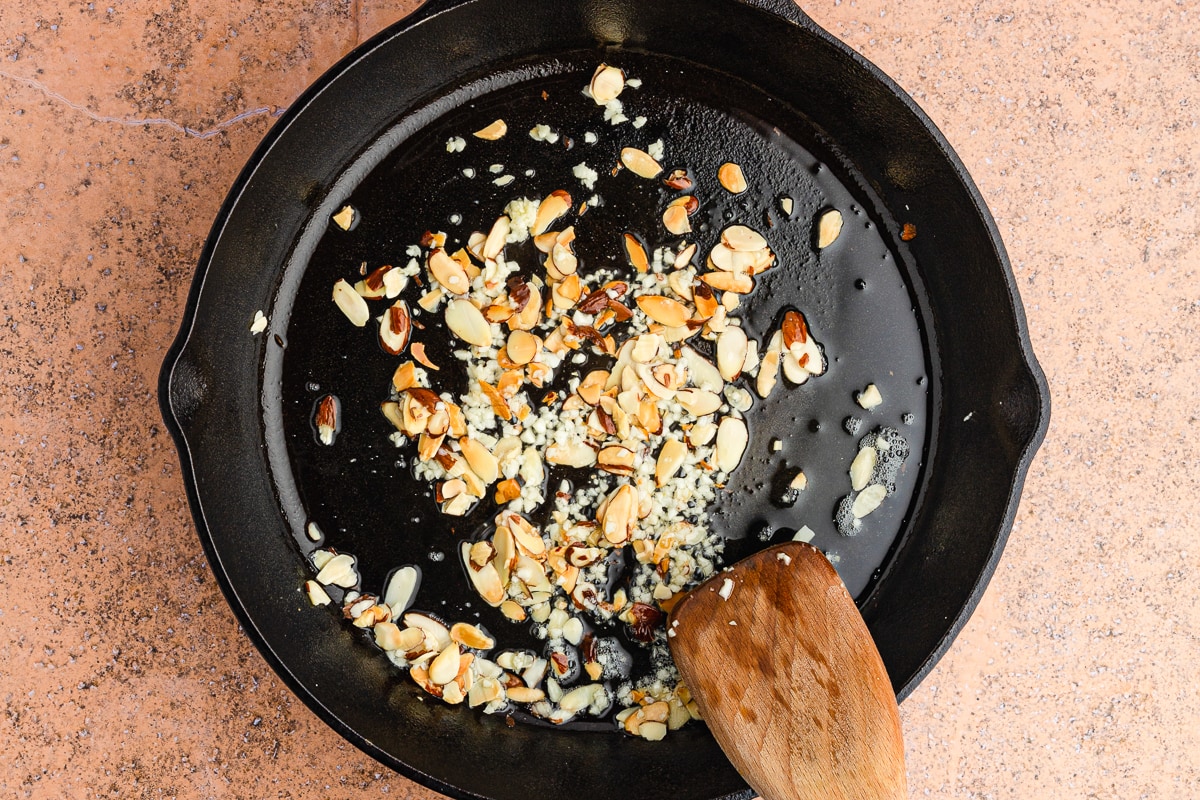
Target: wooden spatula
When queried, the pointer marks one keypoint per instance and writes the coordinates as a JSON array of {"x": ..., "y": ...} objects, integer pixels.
[{"x": 789, "y": 681}]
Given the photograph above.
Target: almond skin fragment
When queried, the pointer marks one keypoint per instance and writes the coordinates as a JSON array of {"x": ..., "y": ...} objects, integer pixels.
[
  {"x": 492, "y": 132},
  {"x": 640, "y": 163}
]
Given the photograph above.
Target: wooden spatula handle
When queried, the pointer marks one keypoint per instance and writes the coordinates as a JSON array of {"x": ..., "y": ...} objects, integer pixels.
[{"x": 789, "y": 680}]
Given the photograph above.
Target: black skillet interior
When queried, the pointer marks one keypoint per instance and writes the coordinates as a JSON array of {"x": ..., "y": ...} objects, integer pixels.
[{"x": 720, "y": 79}]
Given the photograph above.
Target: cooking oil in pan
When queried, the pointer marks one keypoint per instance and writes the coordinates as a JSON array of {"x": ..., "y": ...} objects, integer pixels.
[{"x": 856, "y": 294}]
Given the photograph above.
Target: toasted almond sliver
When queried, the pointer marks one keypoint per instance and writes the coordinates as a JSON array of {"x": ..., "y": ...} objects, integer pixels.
[
  {"x": 526, "y": 535},
  {"x": 663, "y": 310},
  {"x": 732, "y": 346},
  {"x": 468, "y": 323},
  {"x": 606, "y": 84},
  {"x": 448, "y": 272},
  {"x": 732, "y": 438},
  {"x": 729, "y": 282},
  {"x": 829, "y": 227},
  {"x": 492, "y": 132},
  {"x": 402, "y": 589},
  {"x": 316, "y": 595},
  {"x": 698, "y": 402},
  {"x": 571, "y": 454},
  {"x": 351, "y": 303},
  {"x": 636, "y": 253},
  {"x": 768, "y": 373},
  {"x": 345, "y": 217},
  {"x": 470, "y": 636},
  {"x": 404, "y": 377},
  {"x": 670, "y": 459},
  {"x": 512, "y": 610},
  {"x": 395, "y": 328},
  {"x": 675, "y": 220},
  {"x": 437, "y": 635},
  {"x": 497, "y": 236},
  {"x": 592, "y": 386},
  {"x": 338, "y": 571},
  {"x": 522, "y": 347},
  {"x": 731, "y": 177},
  {"x": 741, "y": 238},
  {"x": 617, "y": 520},
  {"x": 868, "y": 500},
  {"x": 862, "y": 468},
  {"x": 553, "y": 206},
  {"x": 640, "y": 163},
  {"x": 523, "y": 694},
  {"x": 480, "y": 460},
  {"x": 418, "y": 352},
  {"x": 444, "y": 668},
  {"x": 616, "y": 459}
]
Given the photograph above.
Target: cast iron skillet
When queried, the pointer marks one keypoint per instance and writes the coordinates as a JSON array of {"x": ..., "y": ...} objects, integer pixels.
[{"x": 732, "y": 70}]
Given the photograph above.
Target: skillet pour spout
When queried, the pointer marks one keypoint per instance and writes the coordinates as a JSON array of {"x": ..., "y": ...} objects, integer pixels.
[{"x": 222, "y": 390}]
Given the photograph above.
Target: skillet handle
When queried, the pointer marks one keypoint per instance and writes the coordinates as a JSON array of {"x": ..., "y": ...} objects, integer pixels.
[{"x": 783, "y": 8}]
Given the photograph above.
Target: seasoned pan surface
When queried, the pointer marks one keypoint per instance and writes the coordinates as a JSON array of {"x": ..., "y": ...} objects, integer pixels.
[{"x": 882, "y": 308}]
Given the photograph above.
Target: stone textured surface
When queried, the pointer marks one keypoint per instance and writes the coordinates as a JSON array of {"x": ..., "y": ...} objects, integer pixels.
[{"x": 125, "y": 675}]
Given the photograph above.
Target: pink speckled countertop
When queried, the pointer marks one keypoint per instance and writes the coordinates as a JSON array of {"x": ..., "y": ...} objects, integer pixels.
[{"x": 123, "y": 672}]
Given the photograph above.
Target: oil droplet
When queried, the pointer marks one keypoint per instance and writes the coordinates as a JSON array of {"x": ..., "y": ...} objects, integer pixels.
[
  {"x": 814, "y": 425},
  {"x": 860, "y": 284}
]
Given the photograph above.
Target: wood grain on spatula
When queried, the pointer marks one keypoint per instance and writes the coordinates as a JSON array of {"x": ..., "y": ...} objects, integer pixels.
[{"x": 789, "y": 680}]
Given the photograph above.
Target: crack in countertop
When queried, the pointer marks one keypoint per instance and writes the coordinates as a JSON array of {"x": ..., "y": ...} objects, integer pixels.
[{"x": 137, "y": 122}]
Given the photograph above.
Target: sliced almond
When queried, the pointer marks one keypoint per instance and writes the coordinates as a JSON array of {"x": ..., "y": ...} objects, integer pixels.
[
  {"x": 448, "y": 272},
  {"x": 492, "y": 132},
  {"x": 636, "y": 253},
  {"x": 524, "y": 694},
  {"x": 768, "y": 373},
  {"x": 468, "y": 323},
  {"x": 663, "y": 310},
  {"x": 528, "y": 317},
  {"x": 470, "y": 636},
  {"x": 732, "y": 347},
  {"x": 404, "y": 377},
  {"x": 616, "y": 459},
  {"x": 732, "y": 438},
  {"x": 327, "y": 419},
  {"x": 485, "y": 579},
  {"x": 553, "y": 206},
  {"x": 729, "y": 282},
  {"x": 701, "y": 371},
  {"x": 640, "y": 163},
  {"x": 592, "y": 386},
  {"x": 351, "y": 303},
  {"x": 731, "y": 178},
  {"x": 862, "y": 468},
  {"x": 739, "y": 237},
  {"x": 497, "y": 236},
  {"x": 698, "y": 402},
  {"x": 437, "y": 635},
  {"x": 512, "y": 610},
  {"x": 676, "y": 218},
  {"x": 444, "y": 668},
  {"x": 606, "y": 84},
  {"x": 829, "y": 227},
  {"x": 571, "y": 454},
  {"x": 522, "y": 347},
  {"x": 338, "y": 571},
  {"x": 480, "y": 460},
  {"x": 868, "y": 500},
  {"x": 526, "y": 536},
  {"x": 616, "y": 522},
  {"x": 670, "y": 459},
  {"x": 402, "y": 589},
  {"x": 793, "y": 368},
  {"x": 395, "y": 328},
  {"x": 316, "y": 595},
  {"x": 387, "y": 636}
]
